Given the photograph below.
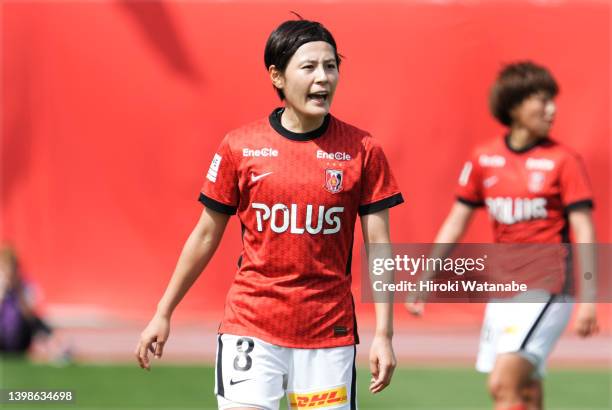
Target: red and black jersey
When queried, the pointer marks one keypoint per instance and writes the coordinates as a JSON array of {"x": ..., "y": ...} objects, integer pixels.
[
  {"x": 528, "y": 193},
  {"x": 297, "y": 197}
]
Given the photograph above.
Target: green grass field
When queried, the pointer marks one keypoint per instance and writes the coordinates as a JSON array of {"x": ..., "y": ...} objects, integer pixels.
[{"x": 190, "y": 387}]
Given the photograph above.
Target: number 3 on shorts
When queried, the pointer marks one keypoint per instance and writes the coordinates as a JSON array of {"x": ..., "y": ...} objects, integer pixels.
[{"x": 243, "y": 361}]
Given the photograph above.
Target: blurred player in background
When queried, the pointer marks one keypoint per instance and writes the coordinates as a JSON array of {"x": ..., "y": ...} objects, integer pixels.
[
  {"x": 297, "y": 180},
  {"x": 535, "y": 189},
  {"x": 22, "y": 330}
]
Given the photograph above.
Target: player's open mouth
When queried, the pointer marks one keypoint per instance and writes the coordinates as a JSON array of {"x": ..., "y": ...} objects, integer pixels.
[{"x": 319, "y": 97}]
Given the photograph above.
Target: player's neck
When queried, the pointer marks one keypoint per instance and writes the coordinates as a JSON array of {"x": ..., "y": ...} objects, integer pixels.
[
  {"x": 520, "y": 138},
  {"x": 299, "y": 123}
]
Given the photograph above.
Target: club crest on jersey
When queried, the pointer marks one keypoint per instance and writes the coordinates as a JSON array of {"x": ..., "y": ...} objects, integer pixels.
[
  {"x": 536, "y": 181},
  {"x": 333, "y": 180}
]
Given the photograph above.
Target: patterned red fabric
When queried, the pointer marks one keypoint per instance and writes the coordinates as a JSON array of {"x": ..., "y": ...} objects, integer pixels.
[
  {"x": 297, "y": 197},
  {"x": 527, "y": 193}
]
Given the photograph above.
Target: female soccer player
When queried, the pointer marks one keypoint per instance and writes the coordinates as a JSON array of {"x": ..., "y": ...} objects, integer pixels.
[
  {"x": 297, "y": 179},
  {"x": 535, "y": 189}
]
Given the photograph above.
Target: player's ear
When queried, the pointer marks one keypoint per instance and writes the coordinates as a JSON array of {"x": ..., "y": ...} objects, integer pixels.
[{"x": 276, "y": 76}]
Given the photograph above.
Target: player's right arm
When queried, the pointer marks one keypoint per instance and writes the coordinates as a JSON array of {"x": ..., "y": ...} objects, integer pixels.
[
  {"x": 451, "y": 232},
  {"x": 197, "y": 252},
  {"x": 455, "y": 224},
  {"x": 469, "y": 197}
]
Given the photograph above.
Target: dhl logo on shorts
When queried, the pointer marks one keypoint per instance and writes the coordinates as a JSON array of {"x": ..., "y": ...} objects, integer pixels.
[
  {"x": 318, "y": 400},
  {"x": 511, "y": 329}
]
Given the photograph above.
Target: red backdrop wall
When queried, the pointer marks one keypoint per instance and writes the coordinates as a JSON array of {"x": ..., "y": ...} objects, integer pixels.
[{"x": 111, "y": 112}]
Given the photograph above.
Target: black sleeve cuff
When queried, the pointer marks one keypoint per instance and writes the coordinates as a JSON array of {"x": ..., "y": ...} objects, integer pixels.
[
  {"x": 377, "y": 206},
  {"x": 585, "y": 203},
  {"x": 471, "y": 204},
  {"x": 217, "y": 206}
]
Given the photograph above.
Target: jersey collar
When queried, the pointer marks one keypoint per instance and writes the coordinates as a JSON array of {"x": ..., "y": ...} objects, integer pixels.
[
  {"x": 275, "y": 122},
  {"x": 536, "y": 143}
]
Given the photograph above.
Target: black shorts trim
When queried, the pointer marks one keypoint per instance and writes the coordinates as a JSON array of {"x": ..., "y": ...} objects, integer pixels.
[
  {"x": 471, "y": 204},
  {"x": 537, "y": 321},
  {"x": 216, "y": 205},
  {"x": 220, "y": 389},
  {"x": 585, "y": 203},
  {"x": 385, "y": 203},
  {"x": 354, "y": 382}
]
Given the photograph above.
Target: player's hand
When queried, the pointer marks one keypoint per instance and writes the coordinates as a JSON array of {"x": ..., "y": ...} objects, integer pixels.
[
  {"x": 382, "y": 363},
  {"x": 415, "y": 304},
  {"x": 152, "y": 339},
  {"x": 586, "y": 320},
  {"x": 415, "y": 301}
]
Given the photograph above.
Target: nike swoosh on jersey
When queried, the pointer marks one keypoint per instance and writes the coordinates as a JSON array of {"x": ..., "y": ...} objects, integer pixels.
[
  {"x": 489, "y": 182},
  {"x": 232, "y": 382},
  {"x": 255, "y": 178}
]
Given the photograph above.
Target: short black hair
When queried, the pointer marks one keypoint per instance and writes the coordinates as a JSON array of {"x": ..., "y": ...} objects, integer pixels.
[
  {"x": 291, "y": 35},
  {"x": 516, "y": 82}
]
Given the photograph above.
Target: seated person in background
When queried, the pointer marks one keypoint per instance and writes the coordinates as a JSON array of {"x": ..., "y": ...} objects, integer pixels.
[{"x": 20, "y": 326}]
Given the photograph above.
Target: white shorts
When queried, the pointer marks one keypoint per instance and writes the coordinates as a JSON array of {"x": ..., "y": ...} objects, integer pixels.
[
  {"x": 253, "y": 373},
  {"x": 529, "y": 329}
]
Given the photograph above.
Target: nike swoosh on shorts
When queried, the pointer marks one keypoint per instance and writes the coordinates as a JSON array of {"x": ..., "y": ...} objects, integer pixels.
[{"x": 232, "y": 382}]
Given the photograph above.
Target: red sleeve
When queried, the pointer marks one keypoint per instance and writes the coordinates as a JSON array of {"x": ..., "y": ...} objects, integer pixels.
[
  {"x": 575, "y": 186},
  {"x": 469, "y": 185},
  {"x": 378, "y": 189},
  {"x": 220, "y": 189}
]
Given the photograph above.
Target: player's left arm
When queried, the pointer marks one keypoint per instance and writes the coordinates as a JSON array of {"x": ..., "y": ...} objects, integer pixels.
[
  {"x": 375, "y": 227},
  {"x": 581, "y": 223}
]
